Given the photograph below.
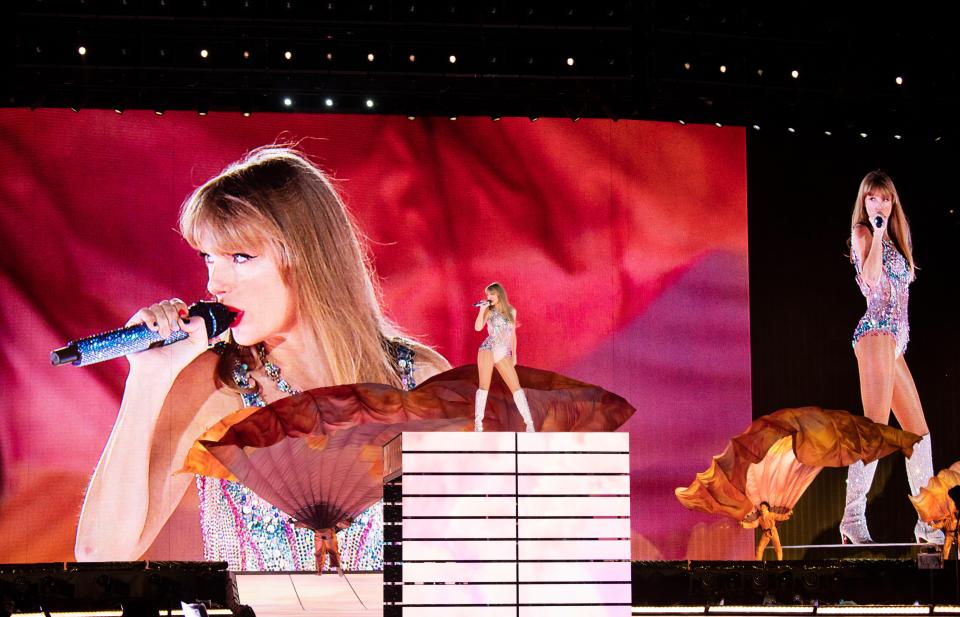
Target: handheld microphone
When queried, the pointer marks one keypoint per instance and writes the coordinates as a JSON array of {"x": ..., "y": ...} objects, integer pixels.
[
  {"x": 123, "y": 341},
  {"x": 481, "y": 303},
  {"x": 878, "y": 222}
]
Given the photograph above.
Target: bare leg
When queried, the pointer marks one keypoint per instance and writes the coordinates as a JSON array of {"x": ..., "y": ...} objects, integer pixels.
[
  {"x": 485, "y": 370},
  {"x": 762, "y": 545},
  {"x": 509, "y": 373},
  {"x": 947, "y": 543}
]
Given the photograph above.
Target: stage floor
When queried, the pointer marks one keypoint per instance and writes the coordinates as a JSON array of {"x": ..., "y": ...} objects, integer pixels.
[{"x": 306, "y": 594}]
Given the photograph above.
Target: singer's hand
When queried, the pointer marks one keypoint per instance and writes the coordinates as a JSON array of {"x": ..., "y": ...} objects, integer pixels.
[{"x": 166, "y": 317}]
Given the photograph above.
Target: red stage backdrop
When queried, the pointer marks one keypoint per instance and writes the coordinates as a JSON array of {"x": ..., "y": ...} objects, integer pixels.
[{"x": 622, "y": 244}]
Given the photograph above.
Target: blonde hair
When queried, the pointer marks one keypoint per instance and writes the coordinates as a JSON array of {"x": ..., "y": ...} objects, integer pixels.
[
  {"x": 879, "y": 183},
  {"x": 276, "y": 199},
  {"x": 503, "y": 307}
]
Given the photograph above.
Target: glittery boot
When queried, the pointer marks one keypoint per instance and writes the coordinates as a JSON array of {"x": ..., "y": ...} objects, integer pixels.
[
  {"x": 480, "y": 403},
  {"x": 853, "y": 527},
  {"x": 919, "y": 472},
  {"x": 521, "y": 400}
]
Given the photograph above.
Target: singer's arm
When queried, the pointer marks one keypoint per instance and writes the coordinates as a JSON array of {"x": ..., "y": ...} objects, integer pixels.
[
  {"x": 869, "y": 248},
  {"x": 481, "y": 318},
  {"x": 135, "y": 489}
]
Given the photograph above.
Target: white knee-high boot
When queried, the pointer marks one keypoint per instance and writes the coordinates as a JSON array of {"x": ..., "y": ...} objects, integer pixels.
[
  {"x": 919, "y": 472},
  {"x": 479, "y": 404},
  {"x": 853, "y": 527},
  {"x": 521, "y": 400}
]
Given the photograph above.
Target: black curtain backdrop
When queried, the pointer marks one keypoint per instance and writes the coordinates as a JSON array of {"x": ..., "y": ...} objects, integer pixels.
[{"x": 804, "y": 302}]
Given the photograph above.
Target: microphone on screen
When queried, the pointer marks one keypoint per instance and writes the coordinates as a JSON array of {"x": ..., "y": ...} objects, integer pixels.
[
  {"x": 878, "y": 222},
  {"x": 481, "y": 303},
  {"x": 123, "y": 341}
]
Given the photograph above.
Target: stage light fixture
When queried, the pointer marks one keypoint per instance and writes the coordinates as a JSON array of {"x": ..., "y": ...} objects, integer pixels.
[
  {"x": 495, "y": 118},
  {"x": 370, "y": 57},
  {"x": 570, "y": 62},
  {"x": 118, "y": 110},
  {"x": 756, "y": 127},
  {"x": 411, "y": 117},
  {"x": 287, "y": 101},
  {"x": 452, "y": 118},
  {"x": 795, "y": 73},
  {"x": 329, "y": 55},
  {"x": 412, "y": 58},
  {"x": 790, "y": 129},
  {"x": 575, "y": 119},
  {"x": 245, "y": 114},
  {"x": 683, "y": 122},
  {"x": 686, "y": 66},
  {"x": 328, "y": 102},
  {"x": 288, "y": 55},
  {"x": 82, "y": 50},
  {"x": 863, "y": 135},
  {"x": 158, "y": 112},
  {"x": 828, "y": 134},
  {"x": 369, "y": 103},
  {"x": 204, "y": 53},
  {"x": 897, "y": 137},
  {"x": 759, "y": 72},
  {"x": 899, "y": 80},
  {"x": 723, "y": 68},
  {"x": 246, "y": 54},
  {"x": 718, "y": 125},
  {"x": 75, "y": 109},
  {"x": 452, "y": 59}
]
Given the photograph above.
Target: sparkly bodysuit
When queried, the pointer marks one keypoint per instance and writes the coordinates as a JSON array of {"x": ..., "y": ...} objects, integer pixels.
[
  {"x": 250, "y": 534},
  {"x": 499, "y": 336},
  {"x": 887, "y": 299}
]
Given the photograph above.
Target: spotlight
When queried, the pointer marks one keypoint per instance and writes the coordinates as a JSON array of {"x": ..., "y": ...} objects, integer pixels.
[
  {"x": 759, "y": 72},
  {"x": 827, "y": 133},
  {"x": 791, "y": 129},
  {"x": 287, "y": 101},
  {"x": 370, "y": 57},
  {"x": 328, "y": 102},
  {"x": 245, "y": 114},
  {"x": 288, "y": 55},
  {"x": 246, "y": 55},
  {"x": 369, "y": 103},
  {"x": 756, "y": 127},
  {"x": 569, "y": 61},
  {"x": 453, "y": 118},
  {"x": 159, "y": 112},
  {"x": 453, "y": 59},
  {"x": 575, "y": 119},
  {"x": 683, "y": 123},
  {"x": 204, "y": 53},
  {"x": 718, "y": 125},
  {"x": 495, "y": 118},
  {"x": 795, "y": 73},
  {"x": 534, "y": 118},
  {"x": 329, "y": 55},
  {"x": 723, "y": 68},
  {"x": 863, "y": 135},
  {"x": 82, "y": 50},
  {"x": 411, "y": 117},
  {"x": 412, "y": 58},
  {"x": 118, "y": 110},
  {"x": 686, "y": 66},
  {"x": 899, "y": 80},
  {"x": 75, "y": 109}
]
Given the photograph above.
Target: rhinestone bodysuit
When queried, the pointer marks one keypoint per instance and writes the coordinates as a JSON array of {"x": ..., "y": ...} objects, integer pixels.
[
  {"x": 499, "y": 336},
  {"x": 250, "y": 534},
  {"x": 887, "y": 299}
]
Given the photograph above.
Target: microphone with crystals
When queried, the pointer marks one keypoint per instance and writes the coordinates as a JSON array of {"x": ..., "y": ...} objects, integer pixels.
[
  {"x": 123, "y": 341},
  {"x": 481, "y": 303},
  {"x": 878, "y": 222}
]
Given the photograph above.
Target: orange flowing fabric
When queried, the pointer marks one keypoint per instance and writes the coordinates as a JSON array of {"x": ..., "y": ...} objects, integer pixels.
[
  {"x": 318, "y": 455},
  {"x": 932, "y": 502},
  {"x": 780, "y": 454}
]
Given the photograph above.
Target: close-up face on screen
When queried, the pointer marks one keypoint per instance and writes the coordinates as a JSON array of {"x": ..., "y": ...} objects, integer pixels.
[{"x": 620, "y": 246}]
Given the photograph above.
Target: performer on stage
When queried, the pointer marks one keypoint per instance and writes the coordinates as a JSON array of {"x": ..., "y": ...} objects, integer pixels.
[
  {"x": 280, "y": 249},
  {"x": 882, "y": 255},
  {"x": 767, "y": 522},
  {"x": 498, "y": 349}
]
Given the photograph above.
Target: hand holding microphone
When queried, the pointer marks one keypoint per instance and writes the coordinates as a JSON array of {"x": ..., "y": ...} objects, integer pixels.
[{"x": 481, "y": 303}]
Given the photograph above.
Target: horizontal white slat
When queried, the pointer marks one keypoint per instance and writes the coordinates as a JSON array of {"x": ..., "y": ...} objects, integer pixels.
[
  {"x": 575, "y": 442},
  {"x": 453, "y": 572},
  {"x": 494, "y": 441},
  {"x": 573, "y": 528},
  {"x": 571, "y": 506},
  {"x": 572, "y": 549},
  {"x": 577, "y": 571},
  {"x": 459, "y": 506},
  {"x": 574, "y": 611},
  {"x": 461, "y": 485},
  {"x": 572, "y": 463},
  {"x": 459, "y": 550},
  {"x": 459, "y": 594},
  {"x": 458, "y": 462},
  {"x": 460, "y": 528},
  {"x": 571, "y": 485},
  {"x": 575, "y": 593},
  {"x": 460, "y": 611}
]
